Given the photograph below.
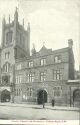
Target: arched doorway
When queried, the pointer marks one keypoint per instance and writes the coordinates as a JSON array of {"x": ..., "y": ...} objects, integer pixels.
[
  {"x": 42, "y": 97},
  {"x": 5, "y": 96},
  {"x": 76, "y": 97}
]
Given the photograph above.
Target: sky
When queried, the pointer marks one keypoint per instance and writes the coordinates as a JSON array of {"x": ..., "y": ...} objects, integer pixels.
[{"x": 52, "y": 22}]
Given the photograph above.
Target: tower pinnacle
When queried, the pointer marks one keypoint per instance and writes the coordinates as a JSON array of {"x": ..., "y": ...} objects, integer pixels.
[
  {"x": 16, "y": 14},
  {"x": 28, "y": 27}
]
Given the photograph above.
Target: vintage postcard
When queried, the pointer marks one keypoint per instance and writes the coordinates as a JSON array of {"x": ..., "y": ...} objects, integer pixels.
[{"x": 40, "y": 62}]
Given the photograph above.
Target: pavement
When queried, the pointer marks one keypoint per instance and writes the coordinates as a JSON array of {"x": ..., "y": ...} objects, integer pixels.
[
  {"x": 16, "y": 111},
  {"x": 35, "y": 106}
]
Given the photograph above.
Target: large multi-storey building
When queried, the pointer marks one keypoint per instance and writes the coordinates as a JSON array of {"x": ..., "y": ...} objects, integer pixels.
[{"x": 33, "y": 78}]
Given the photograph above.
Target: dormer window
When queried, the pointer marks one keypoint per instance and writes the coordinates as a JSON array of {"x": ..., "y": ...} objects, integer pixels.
[
  {"x": 9, "y": 37},
  {"x": 43, "y": 62},
  {"x": 57, "y": 59},
  {"x": 31, "y": 64}
]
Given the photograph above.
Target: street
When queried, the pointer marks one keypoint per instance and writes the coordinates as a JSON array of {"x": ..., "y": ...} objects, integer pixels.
[{"x": 36, "y": 112}]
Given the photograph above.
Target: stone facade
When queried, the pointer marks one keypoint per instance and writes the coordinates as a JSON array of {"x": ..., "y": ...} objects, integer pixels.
[
  {"x": 57, "y": 74},
  {"x": 73, "y": 92},
  {"x": 31, "y": 78}
]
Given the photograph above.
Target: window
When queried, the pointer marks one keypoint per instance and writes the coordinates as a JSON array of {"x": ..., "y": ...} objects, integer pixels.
[
  {"x": 31, "y": 64},
  {"x": 31, "y": 77},
  {"x": 57, "y": 91},
  {"x": 42, "y": 76},
  {"x": 9, "y": 37},
  {"x": 57, "y": 59},
  {"x": 43, "y": 62},
  {"x": 30, "y": 91},
  {"x": 6, "y": 67},
  {"x": 16, "y": 79},
  {"x": 7, "y": 54},
  {"x": 19, "y": 79},
  {"x": 57, "y": 74},
  {"x": 18, "y": 92},
  {"x": 5, "y": 79},
  {"x": 18, "y": 66}
]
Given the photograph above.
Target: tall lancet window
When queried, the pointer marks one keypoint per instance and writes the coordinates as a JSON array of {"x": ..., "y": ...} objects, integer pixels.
[{"x": 9, "y": 37}]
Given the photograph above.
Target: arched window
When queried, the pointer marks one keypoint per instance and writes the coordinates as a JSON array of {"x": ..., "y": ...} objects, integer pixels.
[
  {"x": 9, "y": 37},
  {"x": 6, "y": 67}
]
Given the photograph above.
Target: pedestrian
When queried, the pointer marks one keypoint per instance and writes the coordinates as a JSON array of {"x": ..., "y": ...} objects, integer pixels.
[{"x": 52, "y": 102}]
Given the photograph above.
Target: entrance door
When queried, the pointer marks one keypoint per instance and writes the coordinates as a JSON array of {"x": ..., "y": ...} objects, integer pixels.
[
  {"x": 5, "y": 96},
  {"x": 42, "y": 97},
  {"x": 76, "y": 97}
]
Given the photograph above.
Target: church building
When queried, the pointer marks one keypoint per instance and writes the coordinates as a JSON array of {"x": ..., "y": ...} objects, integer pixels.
[{"x": 33, "y": 77}]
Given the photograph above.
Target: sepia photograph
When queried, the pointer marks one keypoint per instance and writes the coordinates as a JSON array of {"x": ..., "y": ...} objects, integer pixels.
[{"x": 40, "y": 61}]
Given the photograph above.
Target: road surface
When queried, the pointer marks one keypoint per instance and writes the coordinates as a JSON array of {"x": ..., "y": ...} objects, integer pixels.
[{"x": 36, "y": 113}]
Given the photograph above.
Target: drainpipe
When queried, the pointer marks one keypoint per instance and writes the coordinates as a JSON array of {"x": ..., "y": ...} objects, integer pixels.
[
  {"x": 70, "y": 96},
  {"x": 43, "y": 97}
]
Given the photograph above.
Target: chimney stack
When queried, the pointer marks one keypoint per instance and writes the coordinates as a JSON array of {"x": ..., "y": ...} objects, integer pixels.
[{"x": 70, "y": 43}]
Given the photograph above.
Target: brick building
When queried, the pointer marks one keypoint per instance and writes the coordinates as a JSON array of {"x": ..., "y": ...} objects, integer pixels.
[{"x": 32, "y": 78}]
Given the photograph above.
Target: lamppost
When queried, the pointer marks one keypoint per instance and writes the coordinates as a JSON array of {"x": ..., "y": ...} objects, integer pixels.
[{"x": 70, "y": 96}]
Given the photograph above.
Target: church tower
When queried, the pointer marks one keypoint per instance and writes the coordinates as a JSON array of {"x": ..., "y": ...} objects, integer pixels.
[
  {"x": 14, "y": 34},
  {"x": 15, "y": 45}
]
